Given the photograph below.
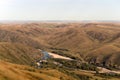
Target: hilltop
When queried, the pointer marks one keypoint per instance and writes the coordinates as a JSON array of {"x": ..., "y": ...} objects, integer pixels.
[{"x": 89, "y": 44}]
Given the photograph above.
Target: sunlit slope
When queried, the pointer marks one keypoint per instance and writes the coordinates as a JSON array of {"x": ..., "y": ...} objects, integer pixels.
[
  {"x": 10, "y": 71},
  {"x": 96, "y": 43},
  {"x": 86, "y": 40},
  {"x": 18, "y": 53},
  {"x": 107, "y": 55}
]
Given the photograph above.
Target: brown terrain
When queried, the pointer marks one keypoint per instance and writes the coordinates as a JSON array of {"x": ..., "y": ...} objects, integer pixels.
[{"x": 94, "y": 43}]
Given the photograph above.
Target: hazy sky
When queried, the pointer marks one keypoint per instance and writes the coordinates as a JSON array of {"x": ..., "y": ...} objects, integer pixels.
[{"x": 59, "y": 9}]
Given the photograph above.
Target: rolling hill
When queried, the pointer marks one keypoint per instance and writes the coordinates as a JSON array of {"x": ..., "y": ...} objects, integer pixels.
[
  {"x": 18, "y": 53},
  {"x": 93, "y": 43},
  {"x": 10, "y": 71}
]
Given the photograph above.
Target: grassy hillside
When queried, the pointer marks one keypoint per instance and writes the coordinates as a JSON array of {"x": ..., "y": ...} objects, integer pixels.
[
  {"x": 95, "y": 43},
  {"x": 86, "y": 40},
  {"x": 18, "y": 53},
  {"x": 10, "y": 71},
  {"x": 10, "y": 36},
  {"x": 98, "y": 42}
]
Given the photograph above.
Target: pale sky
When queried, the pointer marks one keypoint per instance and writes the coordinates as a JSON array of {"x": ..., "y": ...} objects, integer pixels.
[{"x": 59, "y": 9}]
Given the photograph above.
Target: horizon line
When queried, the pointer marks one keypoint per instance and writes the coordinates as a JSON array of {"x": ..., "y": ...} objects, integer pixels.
[{"x": 59, "y": 21}]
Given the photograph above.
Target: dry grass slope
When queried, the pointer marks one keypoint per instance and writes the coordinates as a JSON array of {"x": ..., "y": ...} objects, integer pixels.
[
  {"x": 18, "y": 53},
  {"x": 10, "y": 71}
]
